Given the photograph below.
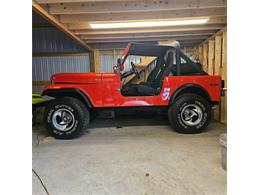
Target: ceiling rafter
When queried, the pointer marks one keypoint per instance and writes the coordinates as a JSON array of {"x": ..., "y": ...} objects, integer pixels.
[
  {"x": 53, "y": 20},
  {"x": 74, "y": 18},
  {"x": 137, "y": 6}
]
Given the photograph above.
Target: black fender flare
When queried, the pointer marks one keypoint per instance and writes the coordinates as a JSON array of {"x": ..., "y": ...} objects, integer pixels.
[
  {"x": 190, "y": 88},
  {"x": 72, "y": 92}
]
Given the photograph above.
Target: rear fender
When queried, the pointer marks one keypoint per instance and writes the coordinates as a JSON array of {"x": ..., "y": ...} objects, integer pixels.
[{"x": 190, "y": 88}]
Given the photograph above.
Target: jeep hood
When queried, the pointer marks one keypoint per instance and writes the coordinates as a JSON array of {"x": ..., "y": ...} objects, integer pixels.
[{"x": 76, "y": 78}]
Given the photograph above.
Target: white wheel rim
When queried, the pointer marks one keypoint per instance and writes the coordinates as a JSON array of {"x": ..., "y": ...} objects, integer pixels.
[
  {"x": 63, "y": 119},
  {"x": 191, "y": 115}
]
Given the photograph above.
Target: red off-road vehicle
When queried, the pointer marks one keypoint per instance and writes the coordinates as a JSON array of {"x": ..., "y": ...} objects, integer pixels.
[{"x": 175, "y": 83}]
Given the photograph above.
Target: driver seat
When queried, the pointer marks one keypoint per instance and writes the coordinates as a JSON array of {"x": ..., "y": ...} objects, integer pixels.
[{"x": 153, "y": 88}]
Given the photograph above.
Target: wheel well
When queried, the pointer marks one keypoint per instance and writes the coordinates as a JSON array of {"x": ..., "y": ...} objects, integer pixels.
[
  {"x": 76, "y": 93},
  {"x": 190, "y": 89}
]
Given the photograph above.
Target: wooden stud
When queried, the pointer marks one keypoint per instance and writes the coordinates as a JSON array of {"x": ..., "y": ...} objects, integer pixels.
[
  {"x": 223, "y": 117},
  {"x": 211, "y": 57},
  {"x": 218, "y": 46},
  {"x": 201, "y": 54},
  {"x": 94, "y": 61},
  {"x": 217, "y": 70},
  {"x": 205, "y": 57}
]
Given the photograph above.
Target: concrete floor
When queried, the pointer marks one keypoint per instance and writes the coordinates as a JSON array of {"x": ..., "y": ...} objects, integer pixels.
[{"x": 128, "y": 156}]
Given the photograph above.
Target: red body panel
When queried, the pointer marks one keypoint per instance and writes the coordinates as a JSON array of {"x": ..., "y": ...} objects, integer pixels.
[{"x": 103, "y": 89}]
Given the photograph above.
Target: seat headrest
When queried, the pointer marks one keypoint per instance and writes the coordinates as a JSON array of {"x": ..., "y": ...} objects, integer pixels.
[{"x": 169, "y": 59}]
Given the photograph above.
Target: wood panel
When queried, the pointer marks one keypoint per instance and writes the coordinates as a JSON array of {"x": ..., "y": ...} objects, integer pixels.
[
  {"x": 217, "y": 70},
  {"x": 94, "y": 61},
  {"x": 218, "y": 55},
  {"x": 211, "y": 52},
  {"x": 200, "y": 38},
  {"x": 77, "y": 1},
  {"x": 205, "y": 57},
  {"x": 146, "y": 35},
  {"x": 37, "y": 83},
  {"x": 138, "y": 6},
  {"x": 201, "y": 54},
  {"x": 223, "y": 117},
  {"x": 81, "y": 29},
  {"x": 152, "y": 15}
]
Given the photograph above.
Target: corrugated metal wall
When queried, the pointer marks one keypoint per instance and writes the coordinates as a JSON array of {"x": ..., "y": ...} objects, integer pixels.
[
  {"x": 44, "y": 67},
  {"x": 54, "y": 40},
  {"x": 51, "y": 40},
  {"x": 109, "y": 58}
]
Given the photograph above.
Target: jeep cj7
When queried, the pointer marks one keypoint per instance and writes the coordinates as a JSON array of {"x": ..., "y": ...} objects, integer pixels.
[{"x": 175, "y": 83}]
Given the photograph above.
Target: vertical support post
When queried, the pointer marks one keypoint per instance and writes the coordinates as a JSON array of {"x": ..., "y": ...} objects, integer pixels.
[
  {"x": 217, "y": 70},
  {"x": 205, "y": 57},
  {"x": 94, "y": 61},
  {"x": 223, "y": 117},
  {"x": 211, "y": 57},
  {"x": 201, "y": 54}
]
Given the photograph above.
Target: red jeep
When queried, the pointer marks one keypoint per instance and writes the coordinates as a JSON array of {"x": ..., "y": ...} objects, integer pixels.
[{"x": 175, "y": 83}]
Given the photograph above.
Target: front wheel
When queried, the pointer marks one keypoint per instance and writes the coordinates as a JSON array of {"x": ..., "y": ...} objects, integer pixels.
[
  {"x": 190, "y": 113},
  {"x": 66, "y": 118}
]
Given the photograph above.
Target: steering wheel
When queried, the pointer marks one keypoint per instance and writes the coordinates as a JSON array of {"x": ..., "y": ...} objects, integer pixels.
[{"x": 135, "y": 70}]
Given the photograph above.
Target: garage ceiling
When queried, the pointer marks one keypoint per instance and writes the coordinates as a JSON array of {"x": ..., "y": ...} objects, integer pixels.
[{"x": 76, "y": 16}]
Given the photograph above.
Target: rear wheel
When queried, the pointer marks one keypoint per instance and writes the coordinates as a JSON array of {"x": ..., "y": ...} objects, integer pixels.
[
  {"x": 66, "y": 118},
  {"x": 190, "y": 113}
]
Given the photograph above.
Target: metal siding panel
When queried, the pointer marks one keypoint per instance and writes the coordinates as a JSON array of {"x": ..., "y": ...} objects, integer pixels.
[
  {"x": 106, "y": 63},
  {"x": 54, "y": 40},
  {"x": 44, "y": 67}
]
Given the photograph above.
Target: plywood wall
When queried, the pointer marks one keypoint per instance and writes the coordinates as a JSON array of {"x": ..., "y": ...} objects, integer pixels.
[{"x": 212, "y": 54}]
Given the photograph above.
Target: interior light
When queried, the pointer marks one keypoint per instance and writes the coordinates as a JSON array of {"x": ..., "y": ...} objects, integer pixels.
[{"x": 146, "y": 24}]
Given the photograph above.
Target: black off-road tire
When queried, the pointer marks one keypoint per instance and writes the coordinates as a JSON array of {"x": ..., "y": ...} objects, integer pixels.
[
  {"x": 176, "y": 113},
  {"x": 76, "y": 109}
]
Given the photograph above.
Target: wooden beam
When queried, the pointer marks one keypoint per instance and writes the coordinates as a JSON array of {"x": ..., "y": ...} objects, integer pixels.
[
  {"x": 37, "y": 83},
  {"x": 144, "y": 35},
  {"x": 217, "y": 68},
  {"x": 94, "y": 61},
  {"x": 200, "y": 54},
  {"x": 169, "y": 36},
  {"x": 181, "y": 29},
  {"x": 205, "y": 57},
  {"x": 77, "y": 1},
  {"x": 224, "y": 57},
  {"x": 147, "y": 39},
  {"x": 53, "y": 20},
  {"x": 137, "y": 6},
  {"x": 217, "y": 63},
  {"x": 220, "y": 32},
  {"x": 223, "y": 117},
  {"x": 152, "y": 15},
  {"x": 46, "y": 54},
  {"x": 122, "y": 45},
  {"x": 211, "y": 52}
]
